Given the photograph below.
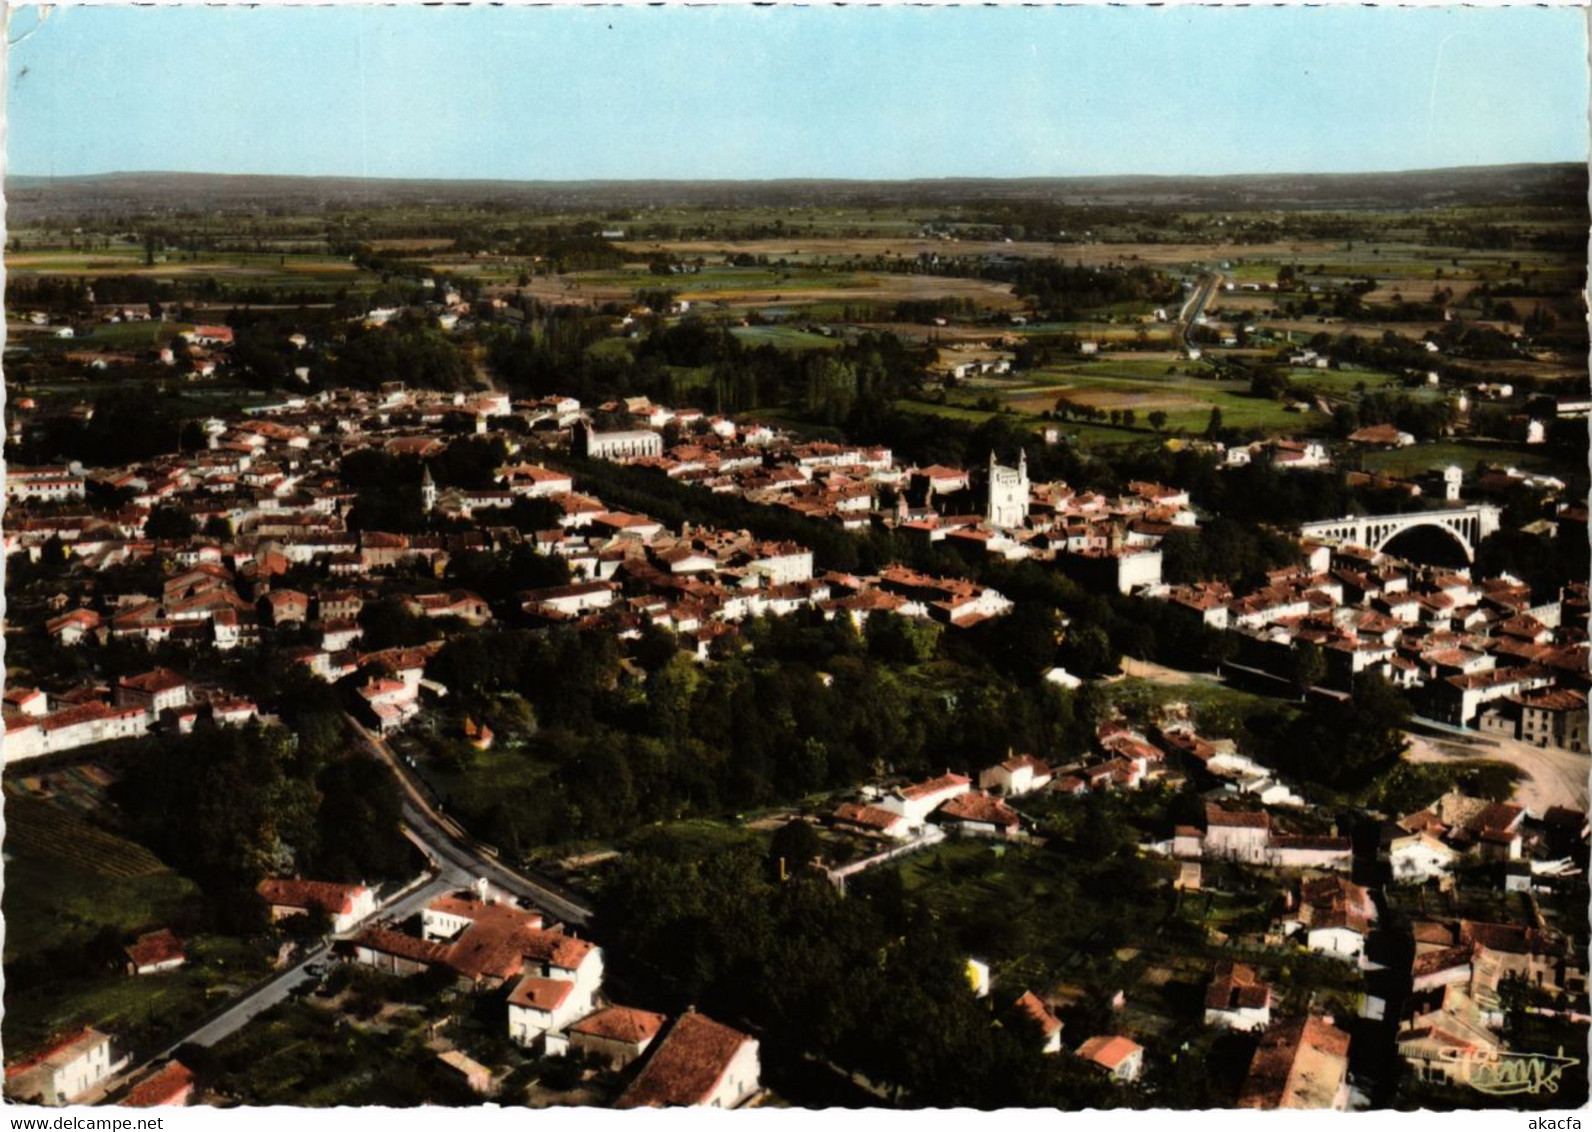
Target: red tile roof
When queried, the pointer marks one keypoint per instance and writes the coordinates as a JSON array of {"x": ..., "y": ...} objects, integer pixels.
[
  {"x": 934, "y": 786},
  {"x": 1237, "y": 986},
  {"x": 335, "y": 899},
  {"x": 687, "y": 1066},
  {"x": 154, "y": 681},
  {"x": 403, "y": 946},
  {"x": 155, "y": 947},
  {"x": 979, "y": 807},
  {"x": 870, "y": 817},
  {"x": 1109, "y": 1050},
  {"x": 1299, "y": 1064},
  {"x": 62, "y": 1052},
  {"x": 621, "y": 1024},
  {"x": 164, "y": 1088},
  {"x": 1031, "y": 1005},
  {"x": 537, "y": 993},
  {"x": 1447, "y": 959},
  {"x": 1216, "y": 816}
]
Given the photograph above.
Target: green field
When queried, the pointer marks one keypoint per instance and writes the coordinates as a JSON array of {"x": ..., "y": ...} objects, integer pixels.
[
  {"x": 49, "y": 905},
  {"x": 298, "y": 269},
  {"x": 785, "y": 337},
  {"x": 43, "y": 831},
  {"x": 1219, "y": 708},
  {"x": 128, "y": 335},
  {"x": 68, "y": 880},
  {"x": 616, "y": 348},
  {"x": 1080, "y": 433},
  {"x": 1138, "y": 696},
  {"x": 142, "y": 1010},
  {"x": 1186, "y": 400},
  {"x": 480, "y": 780},
  {"x": 1051, "y": 919},
  {"x": 709, "y": 281},
  {"x": 1340, "y": 382},
  {"x": 75, "y": 893},
  {"x": 1466, "y": 454}
]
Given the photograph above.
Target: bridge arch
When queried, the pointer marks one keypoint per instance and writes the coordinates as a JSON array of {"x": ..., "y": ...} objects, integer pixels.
[
  {"x": 1412, "y": 536},
  {"x": 1463, "y": 529}
]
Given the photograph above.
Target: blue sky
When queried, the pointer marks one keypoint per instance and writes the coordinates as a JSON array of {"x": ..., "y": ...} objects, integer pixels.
[{"x": 534, "y": 93}]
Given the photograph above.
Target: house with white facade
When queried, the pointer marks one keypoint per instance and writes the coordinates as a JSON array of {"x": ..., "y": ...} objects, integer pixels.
[
  {"x": 1122, "y": 1058},
  {"x": 345, "y": 904},
  {"x": 66, "y": 1071},
  {"x": 1238, "y": 998},
  {"x": 918, "y": 801},
  {"x": 1419, "y": 857},
  {"x": 1017, "y": 776},
  {"x": 699, "y": 1062},
  {"x": 157, "y": 690},
  {"x": 619, "y": 1034},
  {"x": 1331, "y": 915}
]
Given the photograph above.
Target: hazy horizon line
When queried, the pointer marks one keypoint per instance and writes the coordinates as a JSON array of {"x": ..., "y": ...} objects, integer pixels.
[{"x": 796, "y": 178}]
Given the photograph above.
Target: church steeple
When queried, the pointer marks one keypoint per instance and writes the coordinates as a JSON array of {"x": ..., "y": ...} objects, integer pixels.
[{"x": 428, "y": 490}]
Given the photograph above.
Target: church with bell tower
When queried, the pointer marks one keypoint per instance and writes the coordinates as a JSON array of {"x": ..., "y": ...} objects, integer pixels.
[{"x": 1007, "y": 506}]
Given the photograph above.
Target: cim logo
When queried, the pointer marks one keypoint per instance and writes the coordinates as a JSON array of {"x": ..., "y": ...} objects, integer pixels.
[{"x": 1512, "y": 1074}]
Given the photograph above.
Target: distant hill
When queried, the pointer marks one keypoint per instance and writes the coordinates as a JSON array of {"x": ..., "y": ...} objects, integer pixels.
[{"x": 31, "y": 199}]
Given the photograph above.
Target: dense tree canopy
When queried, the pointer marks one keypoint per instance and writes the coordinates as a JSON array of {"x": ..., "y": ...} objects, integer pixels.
[{"x": 869, "y": 981}]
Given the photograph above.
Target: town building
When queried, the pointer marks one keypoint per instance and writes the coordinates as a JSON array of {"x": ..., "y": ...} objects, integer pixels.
[
  {"x": 344, "y": 904},
  {"x": 1300, "y": 1063},
  {"x": 65, "y": 1072},
  {"x": 620, "y": 1034},
  {"x": 1122, "y": 1058},
  {"x": 699, "y": 1062},
  {"x": 1238, "y": 998}
]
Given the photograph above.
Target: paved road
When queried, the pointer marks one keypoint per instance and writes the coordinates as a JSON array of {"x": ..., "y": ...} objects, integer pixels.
[
  {"x": 455, "y": 864},
  {"x": 277, "y": 990},
  {"x": 1203, "y": 292},
  {"x": 457, "y": 854}
]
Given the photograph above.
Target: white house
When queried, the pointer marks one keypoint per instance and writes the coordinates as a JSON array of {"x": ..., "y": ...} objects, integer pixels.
[
  {"x": 917, "y": 802},
  {"x": 699, "y": 1062},
  {"x": 28, "y": 736},
  {"x": 1238, "y": 998},
  {"x": 1121, "y": 1057},
  {"x": 534, "y": 481},
  {"x": 155, "y": 952},
  {"x": 1237, "y": 836},
  {"x": 155, "y": 691},
  {"x": 345, "y": 904},
  {"x": 27, "y": 701},
  {"x": 567, "y": 601},
  {"x": 783, "y": 564},
  {"x": 563, "y": 977},
  {"x": 620, "y": 1034},
  {"x": 66, "y": 1071},
  {"x": 873, "y": 819},
  {"x": 538, "y": 1005},
  {"x": 1420, "y": 857},
  {"x": 52, "y": 484},
  {"x": 1016, "y": 776},
  {"x": 1331, "y": 915}
]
